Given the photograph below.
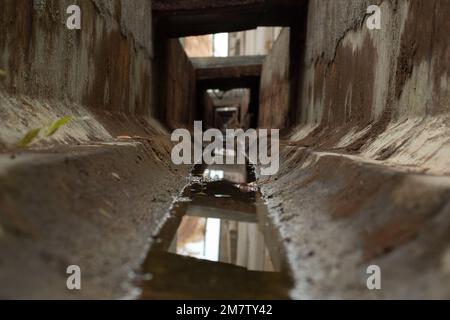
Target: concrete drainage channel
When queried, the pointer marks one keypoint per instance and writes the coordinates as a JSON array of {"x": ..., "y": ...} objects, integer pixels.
[
  {"x": 217, "y": 243},
  {"x": 110, "y": 198},
  {"x": 86, "y": 176}
]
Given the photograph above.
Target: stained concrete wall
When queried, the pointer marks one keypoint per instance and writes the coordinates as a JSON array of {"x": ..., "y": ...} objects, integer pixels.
[
  {"x": 359, "y": 84},
  {"x": 106, "y": 65},
  {"x": 96, "y": 75},
  {"x": 177, "y": 85},
  {"x": 338, "y": 215},
  {"x": 364, "y": 176},
  {"x": 275, "y": 85},
  {"x": 363, "y": 179},
  {"x": 95, "y": 193},
  {"x": 208, "y": 110}
]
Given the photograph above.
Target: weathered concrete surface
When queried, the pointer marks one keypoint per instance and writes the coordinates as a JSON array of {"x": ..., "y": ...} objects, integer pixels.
[
  {"x": 194, "y": 17},
  {"x": 380, "y": 93},
  {"x": 275, "y": 85},
  {"x": 227, "y": 67},
  {"x": 84, "y": 196},
  {"x": 338, "y": 215},
  {"x": 175, "y": 85},
  {"x": 99, "y": 75},
  {"x": 208, "y": 110},
  {"x": 364, "y": 176},
  {"x": 95, "y": 206},
  {"x": 106, "y": 65}
]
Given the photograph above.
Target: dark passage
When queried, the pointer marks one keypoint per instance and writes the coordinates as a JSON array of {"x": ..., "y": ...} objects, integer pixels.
[{"x": 217, "y": 243}]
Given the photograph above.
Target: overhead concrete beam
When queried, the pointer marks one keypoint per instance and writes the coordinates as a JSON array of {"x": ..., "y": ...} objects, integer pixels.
[
  {"x": 226, "y": 84},
  {"x": 182, "y": 6},
  {"x": 186, "y": 18},
  {"x": 227, "y": 67}
]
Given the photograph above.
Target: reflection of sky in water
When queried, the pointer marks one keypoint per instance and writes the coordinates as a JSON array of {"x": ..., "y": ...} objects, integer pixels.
[
  {"x": 212, "y": 239},
  {"x": 208, "y": 244},
  {"x": 201, "y": 238}
]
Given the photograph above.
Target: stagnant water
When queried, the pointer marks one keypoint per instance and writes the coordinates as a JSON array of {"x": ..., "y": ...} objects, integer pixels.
[{"x": 217, "y": 244}]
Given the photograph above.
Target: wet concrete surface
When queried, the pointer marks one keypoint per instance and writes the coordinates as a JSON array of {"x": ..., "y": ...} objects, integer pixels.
[
  {"x": 217, "y": 243},
  {"x": 338, "y": 215},
  {"x": 93, "y": 206}
]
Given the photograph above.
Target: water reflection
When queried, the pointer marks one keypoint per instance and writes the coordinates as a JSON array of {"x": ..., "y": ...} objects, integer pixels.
[
  {"x": 231, "y": 173},
  {"x": 228, "y": 241},
  {"x": 198, "y": 238},
  {"x": 214, "y": 245}
]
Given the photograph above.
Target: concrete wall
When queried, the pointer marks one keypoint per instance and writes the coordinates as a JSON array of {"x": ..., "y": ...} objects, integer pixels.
[
  {"x": 275, "y": 84},
  {"x": 97, "y": 206},
  {"x": 106, "y": 65},
  {"x": 100, "y": 75},
  {"x": 338, "y": 215},
  {"x": 94, "y": 193},
  {"x": 364, "y": 177},
  {"x": 208, "y": 110},
  {"x": 381, "y": 93},
  {"x": 178, "y": 90}
]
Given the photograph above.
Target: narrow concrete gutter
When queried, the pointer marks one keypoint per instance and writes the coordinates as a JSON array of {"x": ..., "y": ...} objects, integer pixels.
[
  {"x": 337, "y": 215},
  {"x": 95, "y": 206}
]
